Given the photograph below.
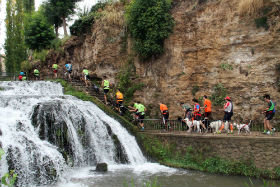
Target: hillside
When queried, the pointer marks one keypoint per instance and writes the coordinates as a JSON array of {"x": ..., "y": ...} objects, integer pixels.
[{"x": 214, "y": 46}]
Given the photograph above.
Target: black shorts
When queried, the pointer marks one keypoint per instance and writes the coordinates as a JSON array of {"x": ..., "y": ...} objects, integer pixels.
[
  {"x": 69, "y": 71},
  {"x": 119, "y": 103},
  {"x": 197, "y": 117},
  {"x": 269, "y": 115},
  {"x": 86, "y": 77},
  {"x": 207, "y": 114},
  {"x": 165, "y": 115},
  {"x": 227, "y": 116},
  {"x": 141, "y": 117},
  {"x": 106, "y": 91}
]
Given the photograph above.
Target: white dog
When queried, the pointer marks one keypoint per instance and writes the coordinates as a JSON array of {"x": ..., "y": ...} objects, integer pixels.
[
  {"x": 189, "y": 124},
  {"x": 194, "y": 123},
  {"x": 216, "y": 125},
  {"x": 245, "y": 127}
]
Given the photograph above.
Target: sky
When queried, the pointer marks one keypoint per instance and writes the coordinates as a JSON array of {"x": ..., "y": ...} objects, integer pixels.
[{"x": 81, "y": 5}]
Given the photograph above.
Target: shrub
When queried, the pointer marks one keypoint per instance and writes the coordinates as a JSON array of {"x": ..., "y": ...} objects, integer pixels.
[
  {"x": 262, "y": 22},
  {"x": 125, "y": 84},
  {"x": 40, "y": 55},
  {"x": 218, "y": 95},
  {"x": 150, "y": 23},
  {"x": 226, "y": 66},
  {"x": 82, "y": 25},
  {"x": 25, "y": 66},
  {"x": 86, "y": 20},
  {"x": 250, "y": 7}
]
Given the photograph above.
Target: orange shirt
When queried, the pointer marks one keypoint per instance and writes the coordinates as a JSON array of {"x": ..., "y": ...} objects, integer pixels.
[
  {"x": 207, "y": 105},
  {"x": 163, "y": 107}
]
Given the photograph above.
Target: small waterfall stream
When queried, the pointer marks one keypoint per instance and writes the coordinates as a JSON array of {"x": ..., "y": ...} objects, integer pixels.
[{"x": 44, "y": 132}]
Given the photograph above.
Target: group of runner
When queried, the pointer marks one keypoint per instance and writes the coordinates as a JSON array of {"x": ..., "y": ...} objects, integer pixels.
[{"x": 196, "y": 112}]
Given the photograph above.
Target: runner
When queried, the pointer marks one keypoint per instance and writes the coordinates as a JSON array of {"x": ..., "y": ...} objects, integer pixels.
[
  {"x": 228, "y": 108},
  {"x": 269, "y": 114},
  {"x": 106, "y": 88},
  {"x": 37, "y": 74},
  {"x": 207, "y": 110},
  {"x": 197, "y": 114},
  {"x": 119, "y": 100},
  {"x": 68, "y": 67},
  {"x": 165, "y": 114},
  {"x": 141, "y": 110},
  {"x": 86, "y": 76},
  {"x": 55, "y": 68}
]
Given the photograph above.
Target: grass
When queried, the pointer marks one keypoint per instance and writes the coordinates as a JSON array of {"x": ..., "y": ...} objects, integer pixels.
[{"x": 250, "y": 7}]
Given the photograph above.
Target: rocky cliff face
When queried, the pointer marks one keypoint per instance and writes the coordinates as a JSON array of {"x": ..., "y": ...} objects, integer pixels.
[{"x": 211, "y": 44}]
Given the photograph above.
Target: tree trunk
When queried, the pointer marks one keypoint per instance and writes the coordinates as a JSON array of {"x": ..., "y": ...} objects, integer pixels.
[
  {"x": 56, "y": 31},
  {"x": 64, "y": 26}
]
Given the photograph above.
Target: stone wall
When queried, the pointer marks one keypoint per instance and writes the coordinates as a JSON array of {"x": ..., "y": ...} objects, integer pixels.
[{"x": 263, "y": 151}]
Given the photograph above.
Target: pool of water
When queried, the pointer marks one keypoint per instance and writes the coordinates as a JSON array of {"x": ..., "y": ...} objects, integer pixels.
[{"x": 118, "y": 175}]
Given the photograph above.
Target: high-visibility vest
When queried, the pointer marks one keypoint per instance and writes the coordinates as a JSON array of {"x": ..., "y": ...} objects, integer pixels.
[
  {"x": 119, "y": 96},
  {"x": 55, "y": 66},
  {"x": 85, "y": 71},
  {"x": 106, "y": 84},
  {"x": 36, "y": 72}
]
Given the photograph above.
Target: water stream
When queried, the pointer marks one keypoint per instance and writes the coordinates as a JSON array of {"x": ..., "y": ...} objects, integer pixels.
[{"x": 51, "y": 139}]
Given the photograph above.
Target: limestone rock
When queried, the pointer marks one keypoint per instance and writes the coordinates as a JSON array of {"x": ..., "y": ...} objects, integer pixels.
[
  {"x": 210, "y": 44},
  {"x": 101, "y": 167}
]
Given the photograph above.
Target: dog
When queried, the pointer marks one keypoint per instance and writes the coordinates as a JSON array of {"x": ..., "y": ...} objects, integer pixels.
[
  {"x": 216, "y": 125},
  {"x": 196, "y": 125},
  {"x": 189, "y": 124},
  {"x": 243, "y": 127}
]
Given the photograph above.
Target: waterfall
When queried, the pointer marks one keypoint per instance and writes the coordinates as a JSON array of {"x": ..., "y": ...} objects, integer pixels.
[{"x": 44, "y": 132}]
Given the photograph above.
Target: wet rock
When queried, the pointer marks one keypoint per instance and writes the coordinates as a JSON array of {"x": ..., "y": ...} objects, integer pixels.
[{"x": 101, "y": 167}]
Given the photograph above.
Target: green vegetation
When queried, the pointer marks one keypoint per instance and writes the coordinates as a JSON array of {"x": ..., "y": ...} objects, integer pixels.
[
  {"x": 15, "y": 49},
  {"x": 126, "y": 86},
  {"x": 84, "y": 23},
  {"x": 218, "y": 95},
  {"x": 40, "y": 55},
  {"x": 26, "y": 66},
  {"x": 150, "y": 23},
  {"x": 38, "y": 32},
  {"x": 262, "y": 22},
  {"x": 195, "y": 89},
  {"x": 7, "y": 179},
  {"x": 226, "y": 66},
  {"x": 195, "y": 159}
]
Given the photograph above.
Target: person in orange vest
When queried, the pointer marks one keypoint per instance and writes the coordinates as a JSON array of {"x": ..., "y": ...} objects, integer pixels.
[
  {"x": 207, "y": 110},
  {"x": 119, "y": 100},
  {"x": 164, "y": 112}
]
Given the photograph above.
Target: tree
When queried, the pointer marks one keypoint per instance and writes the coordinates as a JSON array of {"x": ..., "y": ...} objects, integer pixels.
[
  {"x": 38, "y": 32},
  {"x": 29, "y": 6},
  {"x": 14, "y": 43},
  {"x": 63, "y": 9},
  {"x": 52, "y": 16}
]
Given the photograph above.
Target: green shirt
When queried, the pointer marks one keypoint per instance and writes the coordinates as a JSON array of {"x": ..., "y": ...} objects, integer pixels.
[
  {"x": 55, "y": 66},
  {"x": 141, "y": 108},
  {"x": 36, "y": 72},
  {"x": 24, "y": 78},
  {"x": 85, "y": 72}
]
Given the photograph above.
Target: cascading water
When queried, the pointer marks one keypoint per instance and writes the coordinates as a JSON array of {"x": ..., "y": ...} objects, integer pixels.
[{"x": 43, "y": 131}]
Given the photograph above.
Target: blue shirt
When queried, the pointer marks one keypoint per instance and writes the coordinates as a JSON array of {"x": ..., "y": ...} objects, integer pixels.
[{"x": 68, "y": 66}]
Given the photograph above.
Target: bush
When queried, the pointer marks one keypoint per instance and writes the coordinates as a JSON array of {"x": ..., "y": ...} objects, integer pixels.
[
  {"x": 125, "y": 84},
  {"x": 150, "y": 23},
  {"x": 218, "y": 95},
  {"x": 85, "y": 22},
  {"x": 40, "y": 55},
  {"x": 262, "y": 22},
  {"x": 25, "y": 66},
  {"x": 82, "y": 25}
]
